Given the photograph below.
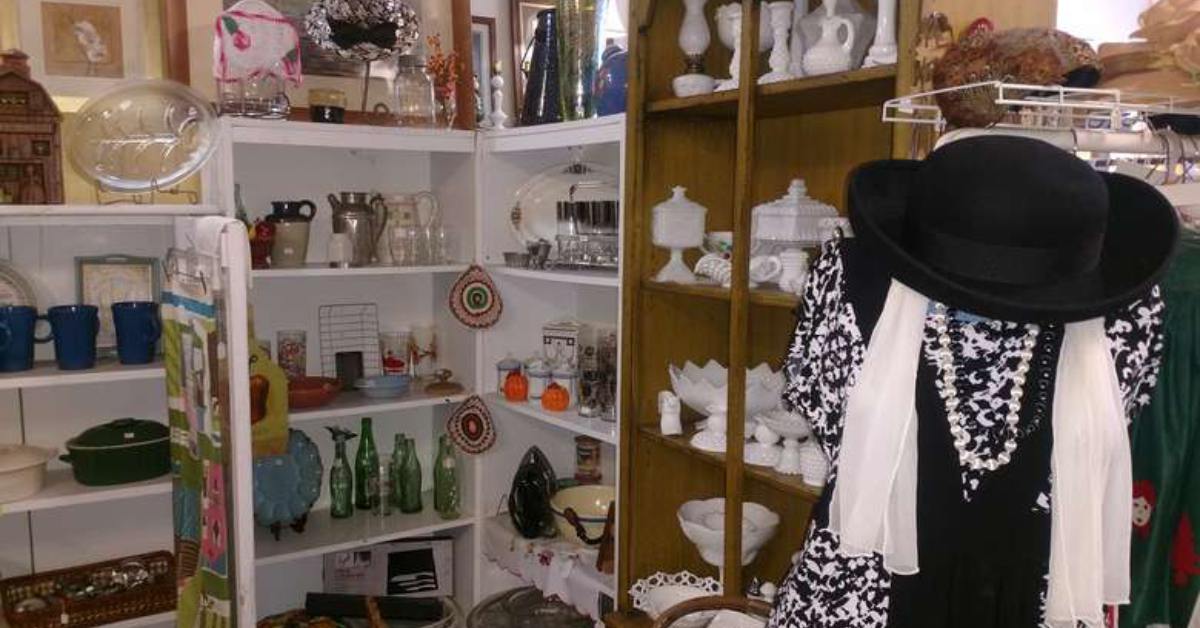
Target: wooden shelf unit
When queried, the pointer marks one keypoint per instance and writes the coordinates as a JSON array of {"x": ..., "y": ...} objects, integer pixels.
[{"x": 732, "y": 151}]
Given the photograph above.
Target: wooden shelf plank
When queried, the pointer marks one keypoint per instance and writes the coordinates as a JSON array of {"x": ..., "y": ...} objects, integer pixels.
[
  {"x": 322, "y": 270},
  {"x": 602, "y": 130},
  {"x": 570, "y": 420},
  {"x": 350, "y": 136},
  {"x": 788, "y": 483},
  {"x": 62, "y": 490},
  {"x": 601, "y": 278},
  {"x": 628, "y": 619},
  {"x": 324, "y": 534},
  {"x": 768, "y": 298},
  {"x": 45, "y": 374},
  {"x": 828, "y": 92},
  {"x": 354, "y": 403}
]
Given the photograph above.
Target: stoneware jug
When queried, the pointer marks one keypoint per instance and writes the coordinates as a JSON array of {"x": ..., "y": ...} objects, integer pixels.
[
  {"x": 828, "y": 54},
  {"x": 363, "y": 218}
]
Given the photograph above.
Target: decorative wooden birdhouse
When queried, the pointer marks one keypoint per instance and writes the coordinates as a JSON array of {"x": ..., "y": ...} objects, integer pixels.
[{"x": 30, "y": 137}]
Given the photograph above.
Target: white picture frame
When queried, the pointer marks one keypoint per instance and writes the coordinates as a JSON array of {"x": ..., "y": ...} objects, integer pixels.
[
  {"x": 483, "y": 60},
  {"x": 62, "y": 81}
]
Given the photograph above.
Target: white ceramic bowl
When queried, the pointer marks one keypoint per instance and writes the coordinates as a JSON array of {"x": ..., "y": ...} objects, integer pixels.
[
  {"x": 590, "y": 503},
  {"x": 22, "y": 471},
  {"x": 701, "y": 387},
  {"x": 703, "y": 523}
]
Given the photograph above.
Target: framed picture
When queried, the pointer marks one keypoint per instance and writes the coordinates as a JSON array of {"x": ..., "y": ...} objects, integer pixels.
[
  {"x": 523, "y": 19},
  {"x": 77, "y": 47},
  {"x": 102, "y": 281},
  {"x": 483, "y": 60}
]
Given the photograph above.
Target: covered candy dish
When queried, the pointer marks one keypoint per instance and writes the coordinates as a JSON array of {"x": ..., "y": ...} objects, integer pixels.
[
  {"x": 678, "y": 226},
  {"x": 794, "y": 220}
]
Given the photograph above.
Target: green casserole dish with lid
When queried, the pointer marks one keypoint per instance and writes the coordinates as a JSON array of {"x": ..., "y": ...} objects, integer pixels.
[{"x": 119, "y": 452}]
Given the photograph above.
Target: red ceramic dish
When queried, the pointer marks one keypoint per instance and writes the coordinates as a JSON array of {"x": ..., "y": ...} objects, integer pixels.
[{"x": 311, "y": 392}]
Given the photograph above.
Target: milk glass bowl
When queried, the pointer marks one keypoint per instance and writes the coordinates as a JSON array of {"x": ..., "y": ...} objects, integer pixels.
[
  {"x": 142, "y": 136},
  {"x": 703, "y": 523},
  {"x": 701, "y": 388}
]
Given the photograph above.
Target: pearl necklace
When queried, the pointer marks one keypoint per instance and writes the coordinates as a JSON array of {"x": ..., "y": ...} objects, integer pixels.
[{"x": 949, "y": 376}]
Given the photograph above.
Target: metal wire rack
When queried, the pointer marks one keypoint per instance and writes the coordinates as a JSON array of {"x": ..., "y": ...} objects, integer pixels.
[
  {"x": 1041, "y": 106},
  {"x": 349, "y": 327}
]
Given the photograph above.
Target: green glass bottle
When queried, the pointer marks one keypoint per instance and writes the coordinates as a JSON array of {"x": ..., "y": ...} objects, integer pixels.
[
  {"x": 341, "y": 478},
  {"x": 410, "y": 479},
  {"x": 366, "y": 469},
  {"x": 397, "y": 471},
  {"x": 447, "y": 498}
]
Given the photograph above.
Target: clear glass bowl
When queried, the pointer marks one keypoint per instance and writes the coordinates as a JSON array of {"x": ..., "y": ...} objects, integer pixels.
[{"x": 142, "y": 136}]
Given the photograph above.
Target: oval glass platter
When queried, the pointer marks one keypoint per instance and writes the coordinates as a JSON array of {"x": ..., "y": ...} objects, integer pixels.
[{"x": 142, "y": 136}]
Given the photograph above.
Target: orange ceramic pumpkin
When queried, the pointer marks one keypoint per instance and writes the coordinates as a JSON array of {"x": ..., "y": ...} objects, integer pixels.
[
  {"x": 516, "y": 387},
  {"x": 556, "y": 398}
]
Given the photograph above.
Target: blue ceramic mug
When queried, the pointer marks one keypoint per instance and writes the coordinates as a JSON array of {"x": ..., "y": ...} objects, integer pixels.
[
  {"x": 138, "y": 330},
  {"x": 17, "y": 323},
  {"x": 75, "y": 328}
]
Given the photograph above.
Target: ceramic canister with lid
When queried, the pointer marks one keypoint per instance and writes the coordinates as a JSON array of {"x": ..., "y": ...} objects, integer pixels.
[
  {"x": 540, "y": 376},
  {"x": 678, "y": 225},
  {"x": 568, "y": 377},
  {"x": 504, "y": 368}
]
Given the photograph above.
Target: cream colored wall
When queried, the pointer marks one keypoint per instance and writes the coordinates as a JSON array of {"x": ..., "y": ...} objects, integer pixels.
[
  {"x": 435, "y": 18},
  {"x": 1003, "y": 13}
]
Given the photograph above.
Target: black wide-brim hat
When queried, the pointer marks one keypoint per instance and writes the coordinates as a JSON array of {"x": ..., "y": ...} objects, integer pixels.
[{"x": 1014, "y": 229}]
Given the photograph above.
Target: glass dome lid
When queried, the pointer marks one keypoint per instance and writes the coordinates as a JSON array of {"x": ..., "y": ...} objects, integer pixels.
[{"x": 534, "y": 214}]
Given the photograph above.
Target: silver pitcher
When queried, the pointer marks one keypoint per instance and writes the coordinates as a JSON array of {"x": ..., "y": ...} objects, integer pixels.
[{"x": 363, "y": 217}]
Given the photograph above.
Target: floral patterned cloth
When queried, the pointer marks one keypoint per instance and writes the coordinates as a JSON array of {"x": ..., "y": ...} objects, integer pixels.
[{"x": 197, "y": 405}]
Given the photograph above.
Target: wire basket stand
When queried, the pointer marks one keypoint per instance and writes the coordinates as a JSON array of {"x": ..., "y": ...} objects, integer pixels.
[{"x": 349, "y": 327}]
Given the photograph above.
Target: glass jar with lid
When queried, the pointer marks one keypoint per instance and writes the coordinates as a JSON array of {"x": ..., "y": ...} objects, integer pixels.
[{"x": 413, "y": 99}]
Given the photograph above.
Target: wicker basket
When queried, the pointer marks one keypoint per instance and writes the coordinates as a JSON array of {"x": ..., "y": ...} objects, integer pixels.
[{"x": 147, "y": 600}]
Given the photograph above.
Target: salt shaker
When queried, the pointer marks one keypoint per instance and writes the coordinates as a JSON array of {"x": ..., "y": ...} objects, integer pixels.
[{"x": 668, "y": 414}]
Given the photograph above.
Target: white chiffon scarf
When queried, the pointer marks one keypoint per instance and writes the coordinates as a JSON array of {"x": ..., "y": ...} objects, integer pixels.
[{"x": 874, "y": 509}]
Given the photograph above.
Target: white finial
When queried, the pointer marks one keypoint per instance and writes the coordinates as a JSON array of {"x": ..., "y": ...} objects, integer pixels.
[{"x": 497, "y": 117}]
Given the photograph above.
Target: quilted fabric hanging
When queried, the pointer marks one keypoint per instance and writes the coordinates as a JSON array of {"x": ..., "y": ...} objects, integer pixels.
[
  {"x": 474, "y": 299},
  {"x": 253, "y": 40},
  {"x": 471, "y": 427}
]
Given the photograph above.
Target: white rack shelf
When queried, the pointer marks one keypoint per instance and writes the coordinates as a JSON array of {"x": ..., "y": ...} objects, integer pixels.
[
  {"x": 350, "y": 136},
  {"x": 319, "y": 270},
  {"x": 324, "y": 534},
  {"x": 570, "y": 420},
  {"x": 605, "y": 130},
  {"x": 351, "y": 403},
  {"x": 45, "y": 374},
  {"x": 121, "y": 214},
  {"x": 62, "y": 490},
  {"x": 606, "y": 279}
]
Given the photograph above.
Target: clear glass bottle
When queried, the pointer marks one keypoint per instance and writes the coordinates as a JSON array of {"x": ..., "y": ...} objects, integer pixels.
[
  {"x": 341, "y": 478},
  {"x": 366, "y": 469},
  {"x": 414, "y": 101},
  {"x": 410, "y": 479},
  {"x": 383, "y": 505},
  {"x": 447, "y": 498}
]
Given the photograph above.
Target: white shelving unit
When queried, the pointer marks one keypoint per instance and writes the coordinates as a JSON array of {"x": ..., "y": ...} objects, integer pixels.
[
  {"x": 61, "y": 525},
  {"x": 474, "y": 176},
  {"x": 61, "y": 490},
  {"x": 532, "y": 298}
]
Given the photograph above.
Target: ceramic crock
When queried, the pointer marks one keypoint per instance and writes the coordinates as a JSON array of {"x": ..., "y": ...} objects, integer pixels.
[
  {"x": 22, "y": 471},
  {"x": 120, "y": 451}
]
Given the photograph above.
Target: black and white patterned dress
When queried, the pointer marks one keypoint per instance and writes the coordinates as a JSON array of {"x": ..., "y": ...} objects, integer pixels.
[{"x": 983, "y": 536}]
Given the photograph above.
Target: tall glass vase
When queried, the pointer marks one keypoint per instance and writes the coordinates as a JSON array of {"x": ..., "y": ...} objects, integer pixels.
[{"x": 579, "y": 49}]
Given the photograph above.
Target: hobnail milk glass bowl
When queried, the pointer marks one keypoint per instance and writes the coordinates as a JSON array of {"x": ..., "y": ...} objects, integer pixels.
[
  {"x": 703, "y": 523},
  {"x": 700, "y": 388}
]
